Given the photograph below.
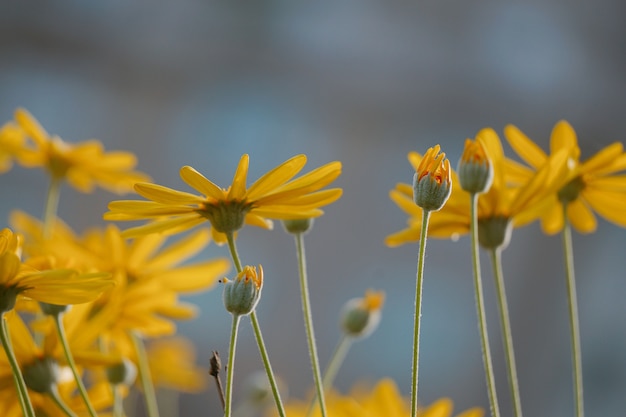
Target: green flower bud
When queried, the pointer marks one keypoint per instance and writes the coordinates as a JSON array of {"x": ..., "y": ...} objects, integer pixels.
[
  {"x": 475, "y": 169},
  {"x": 41, "y": 375},
  {"x": 298, "y": 225},
  {"x": 53, "y": 309},
  {"x": 242, "y": 294},
  {"x": 360, "y": 316},
  {"x": 432, "y": 183},
  {"x": 123, "y": 372},
  {"x": 494, "y": 232}
]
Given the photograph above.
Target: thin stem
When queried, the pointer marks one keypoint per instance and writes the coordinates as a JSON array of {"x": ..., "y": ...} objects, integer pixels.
[
  {"x": 70, "y": 361},
  {"x": 230, "y": 369},
  {"x": 267, "y": 364},
  {"x": 505, "y": 323},
  {"x": 480, "y": 309},
  {"x": 418, "y": 310},
  {"x": 53, "y": 392},
  {"x": 216, "y": 367},
  {"x": 257, "y": 332},
  {"x": 52, "y": 205},
  {"x": 22, "y": 391},
  {"x": 118, "y": 404},
  {"x": 573, "y": 316},
  {"x": 308, "y": 321},
  {"x": 149, "y": 393},
  {"x": 336, "y": 360}
]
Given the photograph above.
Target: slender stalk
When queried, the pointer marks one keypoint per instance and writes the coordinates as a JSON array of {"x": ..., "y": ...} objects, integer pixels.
[
  {"x": 480, "y": 309},
  {"x": 257, "y": 332},
  {"x": 308, "y": 322},
  {"x": 418, "y": 310},
  {"x": 573, "y": 317},
  {"x": 339, "y": 355},
  {"x": 118, "y": 404},
  {"x": 216, "y": 367},
  {"x": 230, "y": 369},
  {"x": 52, "y": 205},
  {"x": 267, "y": 364},
  {"x": 149, "y": 393},
  {"x": 22, "y": 391},
  {"x": 70, "y": 361},
  {"x": 505, "y": 323},
  {"x": 54, "y": 394}
]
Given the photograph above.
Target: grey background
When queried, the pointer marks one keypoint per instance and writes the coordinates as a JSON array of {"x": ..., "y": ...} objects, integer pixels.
[{"x": 201, "y": 82}]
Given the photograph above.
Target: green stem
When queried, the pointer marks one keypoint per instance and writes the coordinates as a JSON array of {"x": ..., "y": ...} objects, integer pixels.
[
  {"x": 505, "y": 323},
  {"x": 230, "y": 369},
  {"x": 144, "y": 373},
  {"x": 418, "y": 310},
  {"x": 573, "y": 317},
  {"x": 118, "y": 405},
  {"x": 267, "y": 364},
  {"x": 480, "y": 309},
  {"x": 52, "y": 205},
  {"x": 54, "y": 394},
  {"x": 339, "y": 355},
  {"x": 257, "y": 332},
  {"x": 22, "y": 391},
  {"x": 70, "y": 361},
  {"x": 308, "y": 321}
]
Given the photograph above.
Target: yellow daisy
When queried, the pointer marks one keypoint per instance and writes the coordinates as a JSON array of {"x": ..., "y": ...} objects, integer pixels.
[
  {"x": 273, "y": 196},
  {"x": 54, "y": 286},
  {"x": 84, "y": 165},
  {"x": 593, "y": 184},
  {"x": 498, "y": 208},
  {"x": 383, "y": 400}
]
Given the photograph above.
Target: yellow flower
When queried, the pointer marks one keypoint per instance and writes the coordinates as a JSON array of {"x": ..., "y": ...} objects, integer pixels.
[
  {"x": 172, "y": 365},
  {"x": 148, "y": 276},
  {"x": 383, "y": 400},
  {"x": 273, "y": 196},
  {"x": 498, "y": 209},
  {"x": 593, "y": 184},
  {"x": 83, "y": 165},
  {"x": 432, "y": 182},
  {"x": 54, "y": 286},
  {"x": 12, "y": 140}
]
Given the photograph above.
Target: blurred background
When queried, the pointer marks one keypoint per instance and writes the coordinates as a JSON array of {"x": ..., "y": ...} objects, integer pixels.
[{"x": 201, "y": 82}]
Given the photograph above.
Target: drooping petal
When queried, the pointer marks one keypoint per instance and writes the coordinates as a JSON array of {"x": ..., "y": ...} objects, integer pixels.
[
  {"x": 136, "y": 210},
  {"x": 603, "y": 158},
  {"x": 530, "y": 153},
  {"x": 581, "y": 217},
  {"x": 167, "y": 226},
  {"x": 610, "y": 205},
  {"x": 194, "y": 277},
  {"x": 180, "y": 251}
]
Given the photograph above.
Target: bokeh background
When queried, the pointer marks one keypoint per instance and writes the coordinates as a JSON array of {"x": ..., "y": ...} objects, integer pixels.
[{"x": 200, "y": 82}]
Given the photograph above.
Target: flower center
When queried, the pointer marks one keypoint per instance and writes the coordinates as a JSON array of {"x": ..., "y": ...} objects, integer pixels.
[
  {"x": 226, "y": 216},
  {"x": 41, "y": 375},
  {"x": 570, "y": 191},
  {"x": 8, "y": 295}
]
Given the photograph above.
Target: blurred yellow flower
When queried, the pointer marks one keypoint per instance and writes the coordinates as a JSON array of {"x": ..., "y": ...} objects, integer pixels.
[
  {"x": 83, "y": 165},
  {"x": 502, "y": 205},
  {"x": 273, "y": 196},
  {"x": 172, "y": 365},
  {"x": 592, "y": 185},
  {"x": 54, "y": 286},
  {"x": 383, "y": 400},
  {"x": 12, "y": 140}
]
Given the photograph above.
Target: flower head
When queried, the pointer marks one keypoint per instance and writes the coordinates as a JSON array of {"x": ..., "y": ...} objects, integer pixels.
[
  {"x": 432, "y": 182},
  {"x": 242, "y": 294},
  {"x": 273, "y": 196},
  {"x": 475, "y": 168},
  {"x": 83, "y": 165},
  {"x": 360, "y": 316},
  {"x": 591, "y": 185}
]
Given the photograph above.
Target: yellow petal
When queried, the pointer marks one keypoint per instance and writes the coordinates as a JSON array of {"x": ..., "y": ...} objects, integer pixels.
[
  {"x": 32, "y": 127},
  {"x": 137, "y": 210},
  {"x": 414, "y": 159},
  {"x": 194, "y": 277},
  {"x": 200, "y": 183},
  {"x": 581, "y": 217},
  {"x": 610, "y": 205},
  {"x": 552, "y": 220},
  {"x": 180, "y": 251},
  {"x": 238, "y": 188},
  {"x": 564, "y": 137},
  {"x": 165, "y": 195},
  {"x": 276, "y": 177},
  {"x": 9, "y": 267},
  {"x": 402, "y": 237},
  {"x": 472, "y": 412},
  {"x": 493, "y": 146},
  {"x": 530, "y": 153},
  {"x": 603, "y": 158},
  {"x": 167, "y": 226},
  {"x": 440, "y": 408},
  {"x": 56, "y": 287},
  {"x": 405, "y": 203},
  {"x": 287, "y": 212},
  {"x": 612, "y": 183}
]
